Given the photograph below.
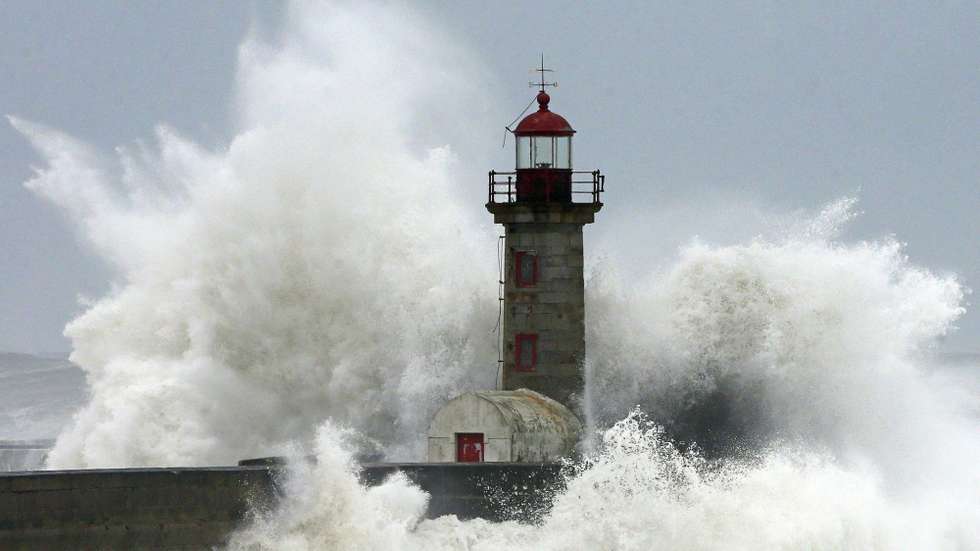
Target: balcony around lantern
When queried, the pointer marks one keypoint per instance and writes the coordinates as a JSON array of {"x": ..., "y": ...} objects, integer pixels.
[
  {"x": 549, "y": 195},
  {"x": 584, "y": 187}
]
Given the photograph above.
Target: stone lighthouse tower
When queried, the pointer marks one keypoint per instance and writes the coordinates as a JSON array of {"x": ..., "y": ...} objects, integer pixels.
[{"x": 543, "y": 206}]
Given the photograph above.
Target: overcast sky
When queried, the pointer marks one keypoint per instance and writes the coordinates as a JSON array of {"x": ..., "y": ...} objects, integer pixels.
[{"x": 780, "y": 105}]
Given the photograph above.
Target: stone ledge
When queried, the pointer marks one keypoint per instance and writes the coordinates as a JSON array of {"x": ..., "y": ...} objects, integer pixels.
[{"x": 544, "y": 213}]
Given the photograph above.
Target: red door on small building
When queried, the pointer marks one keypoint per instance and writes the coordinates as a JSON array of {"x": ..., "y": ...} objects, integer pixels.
[{"x": 469, "y": 447}]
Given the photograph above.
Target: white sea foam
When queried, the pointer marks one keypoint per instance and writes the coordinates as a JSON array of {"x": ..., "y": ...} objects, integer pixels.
[
  {"x": 638, "y": 492},
  {"x": 324, "y": 268},
  {"x": 321, "y": 266}
]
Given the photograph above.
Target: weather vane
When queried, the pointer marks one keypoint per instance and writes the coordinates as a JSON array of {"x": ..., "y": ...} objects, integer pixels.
[{"x": 542, "y": 70}]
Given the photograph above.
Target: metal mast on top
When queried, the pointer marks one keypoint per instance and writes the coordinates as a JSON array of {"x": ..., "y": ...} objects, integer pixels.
[{"x": 542, "y": 70}]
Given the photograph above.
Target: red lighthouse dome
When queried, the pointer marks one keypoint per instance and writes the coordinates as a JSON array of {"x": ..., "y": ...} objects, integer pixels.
[{"x": 544, "y": 122}]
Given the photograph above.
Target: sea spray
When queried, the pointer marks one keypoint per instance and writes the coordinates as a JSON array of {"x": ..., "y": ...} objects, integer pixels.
[
  {"x": 636, "y": 492},
  {"x": 321, "y": 266},
  {"x": 327, "y": 508},
  {"x": 795, "y": 339}
]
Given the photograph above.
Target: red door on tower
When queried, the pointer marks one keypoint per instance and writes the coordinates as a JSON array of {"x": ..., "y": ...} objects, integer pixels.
[{"x": 469, "y": 447}]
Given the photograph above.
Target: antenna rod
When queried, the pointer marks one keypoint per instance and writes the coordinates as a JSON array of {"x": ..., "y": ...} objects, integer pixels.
[{"x": 542, "y": 70}]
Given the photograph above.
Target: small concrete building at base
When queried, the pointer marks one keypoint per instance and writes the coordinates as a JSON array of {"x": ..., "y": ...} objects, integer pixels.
[{"x": 502, "y": 426}]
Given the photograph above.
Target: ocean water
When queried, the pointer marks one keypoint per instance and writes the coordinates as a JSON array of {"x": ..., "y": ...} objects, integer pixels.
[
  {"x": 37, "y": 396},
  {"x": 323, "y": 283}
]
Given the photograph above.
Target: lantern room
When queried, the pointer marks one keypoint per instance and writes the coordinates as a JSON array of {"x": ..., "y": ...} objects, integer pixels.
[
  {"x": 544, "y": 139},
  {"x": 544, "y": 155}
]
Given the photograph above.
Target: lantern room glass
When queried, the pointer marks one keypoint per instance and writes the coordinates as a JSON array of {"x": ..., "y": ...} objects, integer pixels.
[{"x": 544, "y": 152}]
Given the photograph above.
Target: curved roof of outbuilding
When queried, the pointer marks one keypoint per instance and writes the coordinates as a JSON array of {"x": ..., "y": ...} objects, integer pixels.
[
  {"x": 528, "y": 411},
  {"x": 543, "y": 122}
]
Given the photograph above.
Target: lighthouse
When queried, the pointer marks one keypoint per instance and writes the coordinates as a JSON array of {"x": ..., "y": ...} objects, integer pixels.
[{"x": 543, "y": 206}]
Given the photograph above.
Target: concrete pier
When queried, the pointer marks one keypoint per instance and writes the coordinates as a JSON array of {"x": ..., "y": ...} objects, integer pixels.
[{"x": 195, "y": 508}]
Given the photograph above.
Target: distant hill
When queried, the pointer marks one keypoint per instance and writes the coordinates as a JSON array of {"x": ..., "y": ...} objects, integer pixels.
[{"x": 38, "y": 395}]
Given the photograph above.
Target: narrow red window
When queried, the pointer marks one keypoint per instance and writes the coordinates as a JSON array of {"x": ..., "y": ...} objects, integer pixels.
[
  {"x": 469, "y": 447},
  {"x": 526, "y": 268},
  {"x": 525, "y": 352}
]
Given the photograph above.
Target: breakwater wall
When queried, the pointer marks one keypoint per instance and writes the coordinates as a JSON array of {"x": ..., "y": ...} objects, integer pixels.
[{"x": 195, "y": 508}]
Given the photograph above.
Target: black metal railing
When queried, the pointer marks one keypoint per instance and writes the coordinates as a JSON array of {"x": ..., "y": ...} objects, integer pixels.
[{"x": 503, "y": 187}]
